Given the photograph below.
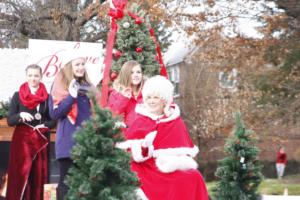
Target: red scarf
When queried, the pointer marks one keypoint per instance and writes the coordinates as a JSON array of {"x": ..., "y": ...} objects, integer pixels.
[{"x": 30, "y": 100}]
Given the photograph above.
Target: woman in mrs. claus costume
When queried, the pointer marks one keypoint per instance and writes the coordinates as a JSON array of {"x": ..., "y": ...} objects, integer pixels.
[{"x": 161, "y": 147}]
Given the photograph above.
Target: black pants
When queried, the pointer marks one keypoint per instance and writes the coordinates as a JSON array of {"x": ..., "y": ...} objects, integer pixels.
[{"x": 64, "y": 165}]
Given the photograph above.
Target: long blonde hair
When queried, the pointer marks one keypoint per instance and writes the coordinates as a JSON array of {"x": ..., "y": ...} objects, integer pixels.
[
  {"x": 124, "y": 78},
  {"x": 65, "y": 76}
]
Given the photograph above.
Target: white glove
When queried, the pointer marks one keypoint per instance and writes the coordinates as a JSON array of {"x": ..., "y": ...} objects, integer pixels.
[
  {"x": 149, "y": 138},
  {"x": 25, "y": 116},
  {"x": 119, "y": 124},
  {"x": 73, "y": 88},
  {"x": 40, "y": 126}
]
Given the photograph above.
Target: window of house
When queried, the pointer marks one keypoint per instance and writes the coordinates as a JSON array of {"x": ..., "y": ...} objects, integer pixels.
[
  {"x": 174, "y": 76},
  {"x": 228, "y": 79}
]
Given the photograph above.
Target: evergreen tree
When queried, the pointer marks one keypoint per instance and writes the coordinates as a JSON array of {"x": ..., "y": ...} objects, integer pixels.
[
  {"x": 100, "y": 170},
  {"x": 134, "y": 42},
  {"x": 239, "y": 172}
]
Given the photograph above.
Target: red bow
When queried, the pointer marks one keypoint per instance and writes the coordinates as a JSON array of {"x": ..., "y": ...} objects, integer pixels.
[{"x": 116, "y": 13}]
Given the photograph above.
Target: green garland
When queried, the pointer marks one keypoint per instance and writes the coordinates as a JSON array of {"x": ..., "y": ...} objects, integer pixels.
[{"x": 4, "y": 105}]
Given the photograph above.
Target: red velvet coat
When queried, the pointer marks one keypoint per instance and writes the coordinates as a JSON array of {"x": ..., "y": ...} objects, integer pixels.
[
  {"x": 27, "y": 164},
  {"x": 162, "y": 153}
]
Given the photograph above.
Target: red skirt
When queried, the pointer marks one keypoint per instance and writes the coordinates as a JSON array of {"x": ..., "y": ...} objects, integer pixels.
[
  {"x": 178, "y": 185},
  {"x": 27, "y": 168}
]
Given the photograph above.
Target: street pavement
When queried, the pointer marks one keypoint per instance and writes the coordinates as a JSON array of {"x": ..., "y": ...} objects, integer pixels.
[{"x": 277, "y": 197}]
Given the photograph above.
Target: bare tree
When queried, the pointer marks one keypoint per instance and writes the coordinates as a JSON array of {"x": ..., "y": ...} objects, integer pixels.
[
  {"x": 70, "y": 20},
  {"x": 56, "y": 19}
]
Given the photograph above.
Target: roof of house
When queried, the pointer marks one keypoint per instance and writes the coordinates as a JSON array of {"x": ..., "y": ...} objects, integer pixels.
[{"x": 178, "y": 51}]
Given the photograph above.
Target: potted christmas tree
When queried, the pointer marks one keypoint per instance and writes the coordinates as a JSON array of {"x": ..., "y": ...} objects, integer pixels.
[
  {"x": 239, "y": 172},
  {"x": 4, "y": 105},
  {"x": 100, "y": 171},
  {"x": 6, "y": 131}
]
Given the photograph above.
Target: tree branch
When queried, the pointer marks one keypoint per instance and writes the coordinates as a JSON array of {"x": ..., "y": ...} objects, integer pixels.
[
  {"x": 96, "y": 37},
  {"x": 8, "y": 17},
  {"x": 87, "y": 14}
]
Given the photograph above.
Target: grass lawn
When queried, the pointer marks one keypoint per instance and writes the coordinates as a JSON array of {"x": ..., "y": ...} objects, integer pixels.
[
  {"x": 276, "y": 187},
  {"x": 272, "y": 186}
]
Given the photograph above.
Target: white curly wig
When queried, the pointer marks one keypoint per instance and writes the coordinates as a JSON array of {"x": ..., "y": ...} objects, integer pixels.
[{"x": 159, "y": 85}]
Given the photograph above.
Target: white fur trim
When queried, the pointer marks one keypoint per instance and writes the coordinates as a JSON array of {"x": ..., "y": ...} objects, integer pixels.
[
  {"x": 128, "y": 144},
  {"x": 176, "y": 151},
  {"x": 140, "y": 194},
  {"x": 136, "y": 149},
  {"x": 148, "y": 141},
  {"x": 174, "y": 113},
  {"x": 168, "y": 164},
  {"x": 136, "y": 146},
  {"x": 136, "y": 152}
]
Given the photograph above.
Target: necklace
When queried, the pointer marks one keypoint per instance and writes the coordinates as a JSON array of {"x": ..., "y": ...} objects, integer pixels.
[{"x": 38, "y": 115}]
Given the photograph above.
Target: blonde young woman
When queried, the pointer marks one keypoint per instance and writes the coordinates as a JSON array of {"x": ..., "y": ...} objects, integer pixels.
[
  {"x": 70, "y": 105},
  {"x": 126, "y": 92}
]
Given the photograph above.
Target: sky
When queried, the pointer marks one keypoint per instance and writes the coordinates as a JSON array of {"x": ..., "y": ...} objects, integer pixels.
[{"x": 246, "y": 11}]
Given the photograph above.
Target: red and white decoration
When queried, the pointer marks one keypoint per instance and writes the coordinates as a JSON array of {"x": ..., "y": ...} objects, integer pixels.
[{"x": 117, "y": 12}]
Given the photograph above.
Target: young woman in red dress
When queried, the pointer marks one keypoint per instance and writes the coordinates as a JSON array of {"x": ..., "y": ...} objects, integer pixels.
[
  {"x": 29, "y": 113},
  {"x": 126, "y": 92}
]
